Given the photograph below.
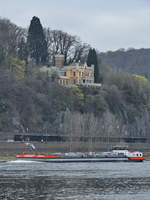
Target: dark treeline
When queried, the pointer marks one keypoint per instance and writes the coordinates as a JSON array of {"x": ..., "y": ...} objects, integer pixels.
[
  {"x": 31, "y": 101},
  {"x": 131, "y": 60}
]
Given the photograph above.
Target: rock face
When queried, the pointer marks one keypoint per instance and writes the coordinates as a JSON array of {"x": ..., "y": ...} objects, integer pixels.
[{"x": 77, "y": 125}]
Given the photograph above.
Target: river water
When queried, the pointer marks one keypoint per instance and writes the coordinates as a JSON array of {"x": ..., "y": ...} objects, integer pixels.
[{"x": 20, "y": 180}]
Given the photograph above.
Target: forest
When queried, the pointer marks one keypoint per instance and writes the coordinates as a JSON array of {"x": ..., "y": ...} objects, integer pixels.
[
  {"x": 130, "y": 60},
  {"x": 31, "y": 101}
]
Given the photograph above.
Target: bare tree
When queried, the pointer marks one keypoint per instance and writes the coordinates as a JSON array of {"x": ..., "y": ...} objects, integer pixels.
[
  {"x": 71, "y": 47},
  {"x": 10, "y": 37}
]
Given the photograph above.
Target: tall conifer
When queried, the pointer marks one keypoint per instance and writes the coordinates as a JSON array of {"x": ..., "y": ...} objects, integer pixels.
[
  {"x": 90, "y": 57},
  {"x": 36, "y": 42},
  {"x": 92, "y": 60}
]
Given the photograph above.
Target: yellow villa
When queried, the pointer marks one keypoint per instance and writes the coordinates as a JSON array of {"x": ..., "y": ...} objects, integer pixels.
[{"x": 74, "y": 74}]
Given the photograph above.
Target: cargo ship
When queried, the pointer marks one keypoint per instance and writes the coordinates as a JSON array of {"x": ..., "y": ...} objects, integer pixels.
[{"x": 117, "y": 154}]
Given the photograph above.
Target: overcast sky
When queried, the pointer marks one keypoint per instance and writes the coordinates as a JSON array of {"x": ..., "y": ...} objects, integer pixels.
[{"x": 104, "y": 24}]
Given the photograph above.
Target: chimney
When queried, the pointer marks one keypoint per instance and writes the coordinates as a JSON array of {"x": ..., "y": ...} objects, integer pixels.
[{"x": 59, "y": 60}]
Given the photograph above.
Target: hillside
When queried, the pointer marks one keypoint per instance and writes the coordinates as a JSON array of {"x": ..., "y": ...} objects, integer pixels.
[
  {"x": 34, "y": 102},
  {"x": 134, "y": 61}
]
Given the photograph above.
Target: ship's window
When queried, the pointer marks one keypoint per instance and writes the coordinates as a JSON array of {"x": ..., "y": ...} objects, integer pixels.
[{"x": 119, "y": 148}]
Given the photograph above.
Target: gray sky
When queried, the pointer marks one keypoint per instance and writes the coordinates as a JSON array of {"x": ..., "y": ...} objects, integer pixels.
[{"x": 104, "y": 24}]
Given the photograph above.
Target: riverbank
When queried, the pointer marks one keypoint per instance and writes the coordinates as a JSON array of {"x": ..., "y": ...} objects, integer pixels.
[{"x": 9, "y": 150}]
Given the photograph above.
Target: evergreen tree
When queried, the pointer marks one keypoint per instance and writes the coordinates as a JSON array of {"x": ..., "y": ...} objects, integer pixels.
[
  {"x": 36, "y": 42},
  {"x": 90, "y": 57},
  {"x": 92, "y": 60}
]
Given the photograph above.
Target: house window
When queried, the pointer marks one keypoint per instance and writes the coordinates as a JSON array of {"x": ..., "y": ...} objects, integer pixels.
[
  {"x": 65, "y": 74},
  {"x": 83, "y": 80},
  {"x": 74, "y": 74}
]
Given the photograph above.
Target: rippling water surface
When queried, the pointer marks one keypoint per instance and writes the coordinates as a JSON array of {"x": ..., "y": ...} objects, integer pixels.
[{"x": 74, "y": 181}]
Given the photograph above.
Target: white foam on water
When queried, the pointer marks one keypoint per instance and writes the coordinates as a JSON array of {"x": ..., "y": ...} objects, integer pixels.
[{"x": 21, "y": 161}]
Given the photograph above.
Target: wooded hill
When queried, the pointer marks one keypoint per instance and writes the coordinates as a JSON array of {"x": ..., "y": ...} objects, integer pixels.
[
  {"x": 31, "y": 101},
  {"x": 134, "y": 61}
]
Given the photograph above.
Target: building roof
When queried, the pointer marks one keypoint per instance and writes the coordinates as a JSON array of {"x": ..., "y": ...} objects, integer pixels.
[{"x": 76, "y": 66}]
